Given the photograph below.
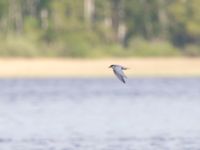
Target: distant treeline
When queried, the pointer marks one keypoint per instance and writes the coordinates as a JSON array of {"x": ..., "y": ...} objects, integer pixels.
[{"x": 98, "y": 28}]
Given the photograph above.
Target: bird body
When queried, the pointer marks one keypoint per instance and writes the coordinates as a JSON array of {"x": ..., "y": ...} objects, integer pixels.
[{"x": 118, "y": 71}]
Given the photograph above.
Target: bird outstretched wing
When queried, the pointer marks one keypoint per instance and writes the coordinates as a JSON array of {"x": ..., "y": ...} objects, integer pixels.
[{"x": 120, "y": 74}]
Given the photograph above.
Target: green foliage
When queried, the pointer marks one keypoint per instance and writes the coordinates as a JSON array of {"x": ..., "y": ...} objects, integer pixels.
[
  {"x": 99, "y": 28},
  {"x": 17, "y": 46},
  {"x": 142, "y": 47},
  {"x": 192, "y": 50},
  {"x": 3, "y": 6}
]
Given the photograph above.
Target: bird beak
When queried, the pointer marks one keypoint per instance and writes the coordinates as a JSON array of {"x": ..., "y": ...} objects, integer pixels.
[
  {"x": 109, "y": 67},
  {"x": 124, "y": 68}
]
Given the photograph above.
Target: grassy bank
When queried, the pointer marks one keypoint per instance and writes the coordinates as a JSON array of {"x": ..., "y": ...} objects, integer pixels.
[{"x": 42, "y": 67}]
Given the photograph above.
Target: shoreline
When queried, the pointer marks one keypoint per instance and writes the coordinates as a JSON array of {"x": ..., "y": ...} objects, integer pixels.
[{"x": 74, "y": 68}]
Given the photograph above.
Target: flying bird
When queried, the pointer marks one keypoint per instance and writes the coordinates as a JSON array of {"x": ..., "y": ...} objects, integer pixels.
[{"x": 118, "y": 71}]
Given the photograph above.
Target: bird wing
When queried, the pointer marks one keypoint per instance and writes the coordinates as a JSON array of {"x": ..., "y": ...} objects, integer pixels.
[{"x": 119, "y": 73}]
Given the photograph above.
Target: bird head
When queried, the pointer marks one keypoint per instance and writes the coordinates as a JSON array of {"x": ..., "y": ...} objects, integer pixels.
[{"x": 111, "y": 66}]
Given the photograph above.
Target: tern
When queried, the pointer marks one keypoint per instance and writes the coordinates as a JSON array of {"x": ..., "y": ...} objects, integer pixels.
[{"x": 118, "y": 71}]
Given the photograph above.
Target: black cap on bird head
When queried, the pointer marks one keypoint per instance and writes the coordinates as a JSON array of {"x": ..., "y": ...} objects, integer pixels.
[{"x": 110, "y": 66}]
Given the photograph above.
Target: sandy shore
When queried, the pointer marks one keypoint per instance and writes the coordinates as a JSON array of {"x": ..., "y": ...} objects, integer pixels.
[{"x": 54, "y": 67}]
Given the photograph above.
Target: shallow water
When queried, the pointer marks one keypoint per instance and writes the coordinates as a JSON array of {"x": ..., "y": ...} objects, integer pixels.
[{"x": 100, "y": 114}]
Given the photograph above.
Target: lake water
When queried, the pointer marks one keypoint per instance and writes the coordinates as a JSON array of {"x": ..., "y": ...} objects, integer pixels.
[{"x": 100, "y": 114}]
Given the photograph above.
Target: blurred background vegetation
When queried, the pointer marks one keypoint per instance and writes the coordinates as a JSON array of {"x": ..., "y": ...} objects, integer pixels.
[{"x": 99, "y": 28}]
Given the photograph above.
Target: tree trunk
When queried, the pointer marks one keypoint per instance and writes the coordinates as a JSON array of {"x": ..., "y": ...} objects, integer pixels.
[
  {"x": 16, "y": 16},
  {"x": 118, "y": 25},
  {"x": 44, "y": 18},
  {"x": 32, "y": 7},
  {"x": 115, "y": 18},
  {"x": 147, "y": 22},
  {"x": 89, "y": 9},
  {"x": 163, "y": 19}
]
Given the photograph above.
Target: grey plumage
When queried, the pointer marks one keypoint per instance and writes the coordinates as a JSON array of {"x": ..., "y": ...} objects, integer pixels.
[{"x": 118, "y": 71}]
